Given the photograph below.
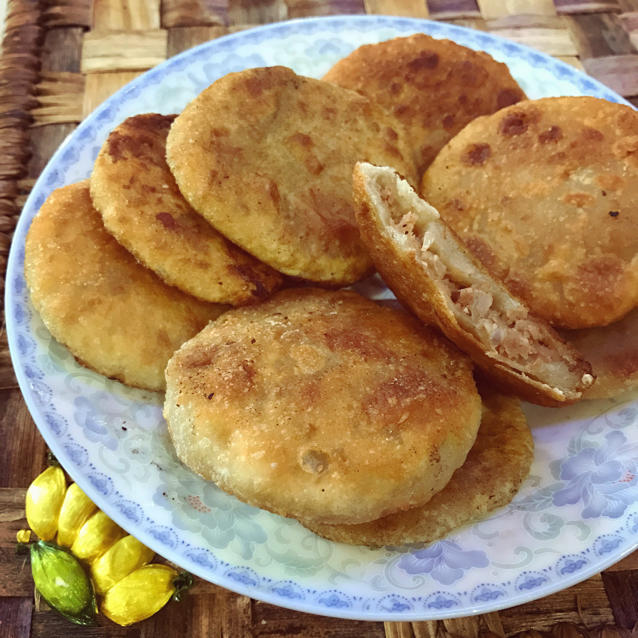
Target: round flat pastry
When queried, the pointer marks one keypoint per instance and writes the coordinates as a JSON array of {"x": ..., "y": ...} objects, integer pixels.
[
  {"x": 492, "y": 474},
  {"x": 266, "y": 156},
  {"x": 545, "y": 194},
  {"x": 432, "y": 87},
  {"x": 430, "y": 270},
  {"x": 323, "y": 406},
  {"x": 141, "y": 206},
  {"x": 113, "y": 314},
  {"x": 613, "y": 353}
]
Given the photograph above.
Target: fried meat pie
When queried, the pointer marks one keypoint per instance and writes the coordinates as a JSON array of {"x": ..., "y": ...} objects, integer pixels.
[
  {"x": 429, "y": 269},
  {"x": 322, "y": 406}
]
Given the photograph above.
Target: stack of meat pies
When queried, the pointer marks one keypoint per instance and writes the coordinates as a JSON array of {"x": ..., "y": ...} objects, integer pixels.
[{"x": 208, "y": 253}]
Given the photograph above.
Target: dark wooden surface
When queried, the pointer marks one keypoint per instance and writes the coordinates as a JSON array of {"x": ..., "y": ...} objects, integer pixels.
[{"x": 60, "y": 59}]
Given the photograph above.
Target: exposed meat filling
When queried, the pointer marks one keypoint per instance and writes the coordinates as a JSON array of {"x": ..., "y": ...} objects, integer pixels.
[{"x": 507, "y": 330}]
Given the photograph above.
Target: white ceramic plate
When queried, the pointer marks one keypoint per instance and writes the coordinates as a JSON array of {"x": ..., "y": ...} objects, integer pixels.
[{"x": 576, "y": 514}]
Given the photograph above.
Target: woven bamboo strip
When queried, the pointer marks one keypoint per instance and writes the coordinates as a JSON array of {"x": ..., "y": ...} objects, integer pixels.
[
  {"x": 397, "y": 630},
  {"x": 600, "y": 35},
  {"x": 626, "y": 564},
  {"x": 66, "y": 13},
  {"x": 263, "y": 12},
  {"x": 191, "y": 13},
  {"x": 100, "y": 86},
  {"x": 572, "y": 61},
  {"x": 123, "y": 51},
  {"x": 455, "y": 10},
  {"x": 529, "y": 22},
  {"x": 411, "y": 8},
  {"x": 60, "y": 98},
  {"x": 557, "y": 42},
  {"x": 308, "y": 8},
  {"x": 126, "y": 15},
  {"x": 500, "y": 8},
  {"x": 426, "y": 629},
  {"x": 586, "y": 6},
  {"x": 619, "y": 72},
  {"x": 629, "y": 22},
  {"x": 18, "y": 75},
  {"x": 468, "y": 626},
  {"x": 182, "y": 38},
  {"x": 61, "y": 50}
]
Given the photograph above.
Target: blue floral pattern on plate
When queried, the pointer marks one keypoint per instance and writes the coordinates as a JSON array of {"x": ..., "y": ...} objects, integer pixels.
[{"x": 576, "y": 514}]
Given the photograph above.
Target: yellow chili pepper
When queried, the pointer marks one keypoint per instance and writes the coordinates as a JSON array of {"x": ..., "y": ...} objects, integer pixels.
[
  {"x": 77, "y": 507},
  {"x": 122, "y": 558},
  {"x": 44, "y": 500},
  {"x": 133, "y": 590},
  {"x": 140, "y": 594},
  {"x": 95, "y": 537}
]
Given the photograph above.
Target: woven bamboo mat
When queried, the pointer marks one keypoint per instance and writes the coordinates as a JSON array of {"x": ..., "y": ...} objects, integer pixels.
[{"x": 60, "y": 59}]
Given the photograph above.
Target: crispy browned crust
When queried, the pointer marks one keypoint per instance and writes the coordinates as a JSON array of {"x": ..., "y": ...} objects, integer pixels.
[
  {"x": 492, "y": 474},
  {"x": 545, "y": 194},
  {"x": 266, "y": 157},
  {"x": 141, "y": 206},
  {"x": 433, "y": 87},
  {"x": 322, "y": 405},
  {"x": 113, "y": 314},
  {"x": 403, "y": 271}
]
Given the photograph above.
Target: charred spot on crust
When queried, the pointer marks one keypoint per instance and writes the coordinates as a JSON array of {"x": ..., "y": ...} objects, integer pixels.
[
  {"x": 355, "y": 341},
  {"x": 256, "y": 84},
  {"x": 482, "y": 251},
  {"x": 167, "y": 220},
  {"x": 552, "y": 134},
  {"x": 623, "y": 365},
  {"x": 599, "y": 275},
  {"x": 200, "y": 357},
  {"x": 302, "y": 139},
  {"x": 448, "y": 121},
  {"x": 592, "y": 134},
  {"x": 426, "y": 60},
  {"x": 396, "y": 399},
  {"x": 513, "y": 124},
  {"x": 138, "y": 136},
  {"x": 250, "y": 276},
  {"x": 457, "y": 204},
  {"x": 119, "y": 145},
  {"x": 152, "y": 121},
  {"x": 391, "y": 134},
  {"x": 476, "y": 154},
  {"x": 614, "y": 213},
  {"x": 273, "y": 191},
  {"x": 402, "y": 111},
  {"x": 507, "y": 97},
  {"x": 301, "y": 146}
]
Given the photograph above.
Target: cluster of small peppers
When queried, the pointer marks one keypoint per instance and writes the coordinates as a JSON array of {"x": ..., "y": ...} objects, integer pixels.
[{"x": 82, "y": 553}]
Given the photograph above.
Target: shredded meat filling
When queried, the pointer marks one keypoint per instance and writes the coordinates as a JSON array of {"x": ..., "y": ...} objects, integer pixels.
[{"x": 507, "y": 331}]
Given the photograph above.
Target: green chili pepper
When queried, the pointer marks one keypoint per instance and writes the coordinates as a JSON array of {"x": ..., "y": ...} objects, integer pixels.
[{"x": 63, "y": 582}]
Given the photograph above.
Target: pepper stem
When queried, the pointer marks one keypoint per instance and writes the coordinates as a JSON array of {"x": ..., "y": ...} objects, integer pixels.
[
  {"x": 51, "y": 460},
  {"x": 23, "y": 537},
  {"x": 182, "y": 582}
]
